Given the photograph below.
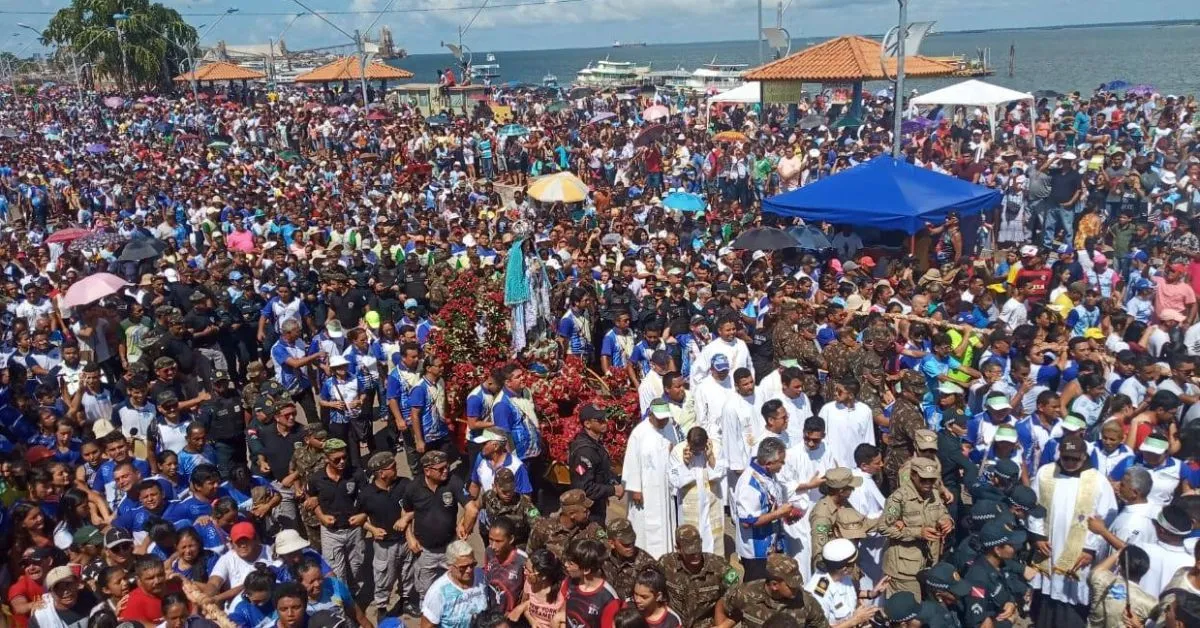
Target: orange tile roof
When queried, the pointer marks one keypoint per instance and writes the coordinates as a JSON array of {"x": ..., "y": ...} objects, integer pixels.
[
  {"x": 347, "y": 69},
  {"x": 221, "y": 71},
  {"x": 845, "y": 58}
]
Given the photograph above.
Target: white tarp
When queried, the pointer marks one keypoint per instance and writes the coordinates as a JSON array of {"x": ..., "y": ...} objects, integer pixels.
[
  {"x": 749, "y": 93},
  {"x": 972, "y": 92}
]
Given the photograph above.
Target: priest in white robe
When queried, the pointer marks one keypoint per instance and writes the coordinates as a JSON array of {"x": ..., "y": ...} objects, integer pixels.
[
  {"x": 739, "y": 417},
  {"x": 647, "y": 484},
  {"x": 651, "y": 387},
  {"x": 1069, "y": 490},
  {"x": 796, "y": 403},
  {"x": 850, "y": 421},
  {"x": 869, "y": 500},
  {"x": 726, "y": 343},
  {"x": 802, "y": 475},
  {"x": 697, "y": 474},
  {"x": 709, "y": 397}
]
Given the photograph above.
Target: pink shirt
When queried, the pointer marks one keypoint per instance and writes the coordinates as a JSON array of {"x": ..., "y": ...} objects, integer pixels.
[
  {"x": 1172, "y": 296},
  {"x": 241, "y": 241}
]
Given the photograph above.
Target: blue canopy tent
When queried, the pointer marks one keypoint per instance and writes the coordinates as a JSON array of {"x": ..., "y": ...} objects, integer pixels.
[{"x": 885, "y": 193}]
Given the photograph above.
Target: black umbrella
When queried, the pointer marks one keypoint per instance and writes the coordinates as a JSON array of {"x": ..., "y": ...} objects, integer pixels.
[
  {"x": 650, "y": 134},
  {"x": 811, "y": 121},
  {"x": 765, "y": 239},
  {"x": 1047, "y": 93},
  {"x": 810, "y": 238},
  {"x": 140, "y": 249},
  {"x": 580, "y": 92}
]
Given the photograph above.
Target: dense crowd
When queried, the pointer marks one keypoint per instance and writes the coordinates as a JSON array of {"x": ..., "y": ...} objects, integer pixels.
[{"x": 974, "y": 429}]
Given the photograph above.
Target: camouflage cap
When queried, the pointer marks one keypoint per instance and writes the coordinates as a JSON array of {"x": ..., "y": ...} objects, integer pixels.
[
  {"x": 163, "y": 362},
  {"x": 926, "y": 439},
  {"x": 687, "y": 540},
  {"x": 433, "y": 458},
  {"x": 165, "y": 397},
  {"x": 622, "y": 530},
  {"x": 924, "y": 468},
  {"x": 841, "y": 477},
  {"x": 785, "y": 569},
  {"x": 266, "y": 405},
  {"x": 333, "y": 444},
  {"x": 913, "y": 380},
  {"x": 575, "y": 498},
  {"x": 254, "y": 369},
  {"x": 380, "y": 460},
  {"x": 850, "y": 524},
  {"x": 505, "y": 480},
  {"x": 315, "y": 430}
]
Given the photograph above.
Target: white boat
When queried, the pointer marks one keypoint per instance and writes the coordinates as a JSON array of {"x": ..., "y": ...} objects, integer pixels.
[
  {"x": 718, "y": 76},
  {"x": 678, "y": 79},
  {"x": 612, "y": 74},
  {"x": 489, "y": 70},
  {"x": 549, "y": 80}
]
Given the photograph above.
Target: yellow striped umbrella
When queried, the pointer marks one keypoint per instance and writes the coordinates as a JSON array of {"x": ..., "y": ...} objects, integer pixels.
[{"x": 558, "y": 187}]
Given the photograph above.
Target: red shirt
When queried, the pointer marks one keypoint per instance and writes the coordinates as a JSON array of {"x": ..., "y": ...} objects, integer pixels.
[
  {"x": 29, "y": 589},
  {"x": 145, "y": 607}
]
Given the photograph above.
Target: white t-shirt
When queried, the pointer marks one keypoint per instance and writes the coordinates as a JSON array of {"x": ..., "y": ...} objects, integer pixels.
[
  {"x": 233, "y": 570},
  {"x": 448, "y": 605}
]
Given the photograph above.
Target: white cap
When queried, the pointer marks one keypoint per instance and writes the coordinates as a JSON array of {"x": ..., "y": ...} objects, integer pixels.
[
  {"x": 338, "y": 360},
  {"x": 488, "y": 436},
  {"x": 950, "y": 388},
  {"x": 838, "y": 551},
  {"x": 998, "y": 402},
  {"x": 1069, "y": 156},
  {"x": 334, "y": 329},
  {"x": 288, "y": 540}
]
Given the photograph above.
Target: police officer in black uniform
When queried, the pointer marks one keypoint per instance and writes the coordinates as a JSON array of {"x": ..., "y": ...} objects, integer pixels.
[
  {"x": 943, "y": 593},
  {"x": 991, "y": 593},
  {"x": 957, "y": 470},
  {"x": 590, "y": 465},
  {"x": 995, "y": 484},
  {"x": 225, "y": 419},
  {"x": 618, "y": 299}
]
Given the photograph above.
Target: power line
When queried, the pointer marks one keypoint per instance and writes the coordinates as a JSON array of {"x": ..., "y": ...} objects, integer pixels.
[{"x": 485, "y": 5}]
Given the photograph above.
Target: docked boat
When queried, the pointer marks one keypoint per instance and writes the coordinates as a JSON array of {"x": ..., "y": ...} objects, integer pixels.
[
  {"x": 679, "y": 79},
  {"x": 606, "y": 74},
  {"x": 718, "y": 76},
  {"x": 489, "y": 70},
  {"x": 549, "y": 80}
]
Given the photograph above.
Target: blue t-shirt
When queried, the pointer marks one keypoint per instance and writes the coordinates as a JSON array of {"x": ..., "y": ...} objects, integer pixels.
[{"x": 422, "y": 400}]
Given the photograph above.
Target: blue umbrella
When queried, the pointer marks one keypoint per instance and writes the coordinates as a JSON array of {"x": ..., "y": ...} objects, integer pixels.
[
  {"x": 1116, "y": 85},
  {"x": 513, "y": 130},
  {"x": 684, "y": 202},
  {"x": 96, "y": 149}
]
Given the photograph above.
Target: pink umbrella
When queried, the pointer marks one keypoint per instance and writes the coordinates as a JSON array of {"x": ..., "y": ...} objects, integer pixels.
[
  {"x": 656, "y": 112},
  {"x": 114, "y": 102},
  {"x": 92, "y": 288},
  {"x": 67, "y": 235}
]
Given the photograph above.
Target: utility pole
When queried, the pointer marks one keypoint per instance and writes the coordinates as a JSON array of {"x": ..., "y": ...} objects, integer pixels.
[
  {"x": 759, "y": 35},
  {"x": 898, "y": 103},
  {"x": 117, "y": 19}
]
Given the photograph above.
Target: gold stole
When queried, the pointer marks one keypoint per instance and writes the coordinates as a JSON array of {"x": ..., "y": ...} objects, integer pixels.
[
  {"x": 689, "y": 499},
  {"x": 1085, "y": 501}
]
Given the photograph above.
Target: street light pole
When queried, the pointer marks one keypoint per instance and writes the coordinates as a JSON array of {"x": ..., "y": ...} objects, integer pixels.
[
  {"x": 74, "y": 56},
  {"x": 117, "y": 19},
  {"x": 271, "y": 46},
  {"x": 359, "y": 42},
  {"x": 898, "y": 102},
  {"x": 191, "y": 64}
]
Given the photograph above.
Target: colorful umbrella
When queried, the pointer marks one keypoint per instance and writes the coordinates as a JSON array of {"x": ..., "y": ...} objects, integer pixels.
[
  {"x": 513, "y": 130},
  {"x": 96, "y": 149},
  {"x": 68, "y": 235},
  {"x": 656, "y": 112},
  {"x": 219, "y": 145},
  {"x": 114, "y": 102},
  {"x": 602, "y": 116},
  {"x": 730, "y": 136},
  {"x": 1142, "y": 90},
  {"x": 684, "y": 202},
  {"x": 559, "y": 187},
  {"x": 377, "y": 114},
  {"x": 92, "y": 288}
]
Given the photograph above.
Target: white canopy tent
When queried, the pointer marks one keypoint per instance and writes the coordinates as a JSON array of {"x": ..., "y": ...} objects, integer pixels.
[
  {"x": 748, "y": 93},
  {"x": 976, "y": 93}
]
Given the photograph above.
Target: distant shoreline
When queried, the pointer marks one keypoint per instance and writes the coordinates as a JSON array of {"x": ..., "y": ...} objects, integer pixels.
[{"x": 1180, "y": 22}]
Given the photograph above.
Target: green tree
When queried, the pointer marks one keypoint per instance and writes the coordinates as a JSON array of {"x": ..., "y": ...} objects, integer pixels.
[{"x": 150, "y": 59}]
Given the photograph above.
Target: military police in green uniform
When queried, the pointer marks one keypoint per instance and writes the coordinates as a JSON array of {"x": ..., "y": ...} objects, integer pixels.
[
  {"x": 569, "y": 522},
  {"x": 991, "y": 595},
  {"x": 752, "y": 604},
  {"x": 625, "y": 559},
  {"x": 840, "y": 482},
  {"x": 696, "y": 580},
  {"x": 916, "y": 523}
]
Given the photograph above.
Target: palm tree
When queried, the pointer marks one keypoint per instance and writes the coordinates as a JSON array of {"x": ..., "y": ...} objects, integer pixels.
[{"x": 137, "y": 48}]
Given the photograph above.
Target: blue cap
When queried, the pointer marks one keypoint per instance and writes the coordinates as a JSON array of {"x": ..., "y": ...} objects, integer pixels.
[
  {"x": 410, "y": 304},
  {"x": 1064, "y": 249},
  {"x": 1140, "y": 256},
  {"x": 1142, "y": 284},
  {"x": 720, "y": 362},
  {"x": 235, "y": 275}
]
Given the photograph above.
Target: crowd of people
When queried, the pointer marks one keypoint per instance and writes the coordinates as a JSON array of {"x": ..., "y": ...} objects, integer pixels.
[{"x": 998, "y": 431}]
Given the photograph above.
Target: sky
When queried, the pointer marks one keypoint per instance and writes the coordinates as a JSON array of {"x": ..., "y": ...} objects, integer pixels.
[{"x": 548, "y": 24}]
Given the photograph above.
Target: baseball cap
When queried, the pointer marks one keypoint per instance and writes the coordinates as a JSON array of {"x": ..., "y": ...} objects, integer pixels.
[
  {"x": 1006, "y": 469},
  {"x": 924, "y": 468},
  {"x": 333, "y": 444},
  {"x": 949, "y": 388},
  {"x": 622, "y": 530},
  {"x": 783, "y": 568},
  {"x": 87, "y": 535},
  {"x": 995, "y": 534},
  {"x": 841, "y": 477},
  {"x": 1005, "y": 434},
  {"x": 1024, "y": 497},
  {"x": 380, "y": 460},
  {"x": 720, "y": 362},
  {"x": 435, "y": 457},
  {"x": 115, "y": 536},
  {"x": 925, "y": 439},
  {"x": 505, "y": 480},
  {"x": 943, "y": 577},
  {"x": 660, "y": 409},
  {"x": 410, "y": 304},
  {"x": 999, "y": 402},
  {"x": 902, "y": 606},
  {"x": 1154, "y": 445},
  {"x": 576, "y": 498},
  {"x": 591, "y": 413},
  {"x": 851, "y": 524},
  {"x": 59, "y": 574},
  {"x": 489, "y": 436},
  {"x": 687, "y": 540},
  {"x": 241, "y": 531}
]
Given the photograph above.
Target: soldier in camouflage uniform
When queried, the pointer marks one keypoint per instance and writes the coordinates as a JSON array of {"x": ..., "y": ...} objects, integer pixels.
[
  {"x": 752, "y": 604},
  {"x": 569, "y": 522},
  {"x": 916, "y": 524},
  {"x": 696, "y": 581},
  {"x": 838, "y": 357},
  {"x": 308, "y": 459},
  {"x": 906, "y": 420},
  {"x": 503, "y": 500},
  {"x": 809, "y": 358},
  {"x": 785, "y": 339},
  {"x": 625, "y": 559},
  {"x": 256, "y": 375}
]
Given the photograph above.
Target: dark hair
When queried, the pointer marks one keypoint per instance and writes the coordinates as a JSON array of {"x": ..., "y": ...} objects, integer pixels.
[
  {"x": 290, "y": 590},
  {"x": 741, "y": 373},
  {"x": 629, "y": 617},
  {"x": 223, "y": 506},
  {"x": 505, "y": 525},
  {"x": 697, "y": 438},
  {"x": 790, "y": 373},
  {"x": 814, "y": 424},
  {"x": 549, "y": 567},
  {"x": 146, "y": 562},
  {"x": 106, "y": 574},
  {"x": 103, "y": 619},
  {"x": 71, "y": 500},
  {"x": 770, "y": 407},
  {"x": 1134, "y": 561},
  {"x": 489, "y": 619},
  {"x": 261, "y": 579},
  {"x": 163, "y": 456},
  {"x": 669, "y": 378},
  {"x": 1046, "y": 396},
  {"x": 204, "y": 473},
  {"x": 145, "y": 485},
  {"x": 589, "y": 554},
  {"x": 865, "y": 453},
  {"x": 306, "y": 564},
  {"x": 652, "y": 578},
  {"x": 175, "y": 598}
]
